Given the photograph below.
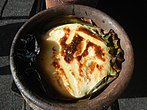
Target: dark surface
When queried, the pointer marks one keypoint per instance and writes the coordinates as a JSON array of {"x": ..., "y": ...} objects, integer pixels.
[{"x": 131, "y": 15}]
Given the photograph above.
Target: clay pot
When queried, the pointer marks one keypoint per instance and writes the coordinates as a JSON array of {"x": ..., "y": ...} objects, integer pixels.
[{"x": 32, "y": 91}]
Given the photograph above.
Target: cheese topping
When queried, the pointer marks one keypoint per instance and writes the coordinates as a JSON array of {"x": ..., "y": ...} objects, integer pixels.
[{"x": 73, "y": 59}]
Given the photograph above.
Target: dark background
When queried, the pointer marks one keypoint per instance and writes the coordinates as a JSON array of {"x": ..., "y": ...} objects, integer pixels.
[{"x": 132, "y": 16}]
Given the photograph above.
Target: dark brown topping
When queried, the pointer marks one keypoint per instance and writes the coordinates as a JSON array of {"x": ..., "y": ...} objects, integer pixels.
[
  {"x": 63, "y": 44},
  {"x": 97, "y": 65},
  {"x": 56, "y": 65},
  {"x": 80, "y": 69},
  {"x": 73, "y": 74},
  {"x": 62, "y": 73},
  {"x": 75, "y": 47},
  {"x": 100, "y": 67},
  {"x": 91, "y": 67},
  {"x": 68, "y": 50},
  {"x": 99, "y": 53},
  {"x": 81, "y": 74},
  {"x": 68, "y": 58},
  {"x": 66, "y": 30},
  {"x": 78, "y": 58},
  {"x": 58, "y": 69}
]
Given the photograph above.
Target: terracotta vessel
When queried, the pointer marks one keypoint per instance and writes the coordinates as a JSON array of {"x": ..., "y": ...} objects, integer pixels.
[{"x": 32, "y": 92}]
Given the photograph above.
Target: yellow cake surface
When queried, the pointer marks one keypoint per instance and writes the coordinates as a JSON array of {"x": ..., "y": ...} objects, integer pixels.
[{"x": 73, "y": 59}]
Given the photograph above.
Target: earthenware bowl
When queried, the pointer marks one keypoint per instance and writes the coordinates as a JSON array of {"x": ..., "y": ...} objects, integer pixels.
[{"x": 31, "y": 88}]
